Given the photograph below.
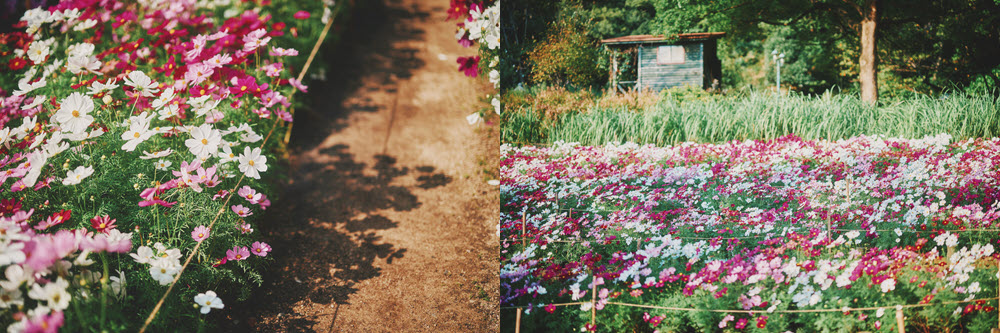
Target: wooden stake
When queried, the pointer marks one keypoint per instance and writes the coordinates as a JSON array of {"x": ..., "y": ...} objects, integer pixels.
[
  {"x": 998, "y": 296},
  {"x": 899, "y": 321},
  {"x": 517, "y": 327}
]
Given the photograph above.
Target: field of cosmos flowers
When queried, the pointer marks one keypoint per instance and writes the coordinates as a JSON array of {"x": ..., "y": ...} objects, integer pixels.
[
  {"x": 139, "y": 142},
  {"x": 768, "y": 236}
]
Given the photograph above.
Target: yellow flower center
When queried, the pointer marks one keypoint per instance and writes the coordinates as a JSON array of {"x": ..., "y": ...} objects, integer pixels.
[
  {"x": 204, "y": 141},
  {"x": 76, "y": 113},
  {"x": 243, "y": 88},
  {"x": 251, "y": 162},
  {"x": 136, "y": 134}
]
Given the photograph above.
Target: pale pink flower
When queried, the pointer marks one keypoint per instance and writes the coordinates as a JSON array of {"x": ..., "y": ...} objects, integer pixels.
[
  {"x": 200, "y": 233},
  {"x": 241, "y": 211},
  {"x": 260, "y": 249}
]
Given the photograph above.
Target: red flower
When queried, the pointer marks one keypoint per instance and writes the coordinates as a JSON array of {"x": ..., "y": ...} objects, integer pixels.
[
  {"x": 122, "y": 18},
  {"x": 9, "y": 206},
  {"x": 469, "y": 65},
  {"x": 16, "y": 63},
  {"x": 762, "y": 322},
  {"x": 458, "y": 9},
  {"x": 550, "y": 308},
  {"x": 742, "y": 323},
  {"x": 102, "y": 223},
  {"x": 301, "y": 15}
]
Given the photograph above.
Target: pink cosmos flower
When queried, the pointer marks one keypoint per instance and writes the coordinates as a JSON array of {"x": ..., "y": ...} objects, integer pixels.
[
  {"x": 277, "y": 52},
  {"x": 198, "y": 73},
  {"x": 246, "y": 192},
  {"x": 241, "y": 210},
  {"x": 18, "y": 186},
  {"x": 741, "y": 324},
  {"x": 262, "y": 112},
  {"x": 301, "y": 15},
  {"x": 221, "y": 193},
  {"x": 264, "y": 202},
  {"x": 260, "y": 249},
  {"x": 284, "y": 115},
  {"x": 245, "y": 228},
  {"x": 220, "y": 262},
  {"x": 45, "y": 323},
  {"x": 298, "y": 85},
  {"x": 238, "y": 253},
  {"x": 200, "y": 233}
]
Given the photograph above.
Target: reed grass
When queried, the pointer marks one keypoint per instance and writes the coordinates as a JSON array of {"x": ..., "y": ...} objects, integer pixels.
[{"x": 762, "y": 116}]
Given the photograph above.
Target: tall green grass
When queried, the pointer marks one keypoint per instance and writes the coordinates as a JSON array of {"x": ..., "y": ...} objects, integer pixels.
[{"x": 756, "y": 115}]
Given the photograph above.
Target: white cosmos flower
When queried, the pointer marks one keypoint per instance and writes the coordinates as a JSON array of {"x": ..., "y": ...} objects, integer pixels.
[
  {"x": 252, "y": 163},
  {"x": 169, "y": 111},
  {"x": 98, "y": 87},
  {"x": 143, "y": 255},
  {"x": 10, "y": 298},
  {"x": 165, "y": 97},
  {"x": 226, "y": 155},
  {"x": 250, "y": 137},
  {"x": 5, "y": 134},
  {"x": 156, "y": 154},
  {"x": 142, "y": 83},
  {"x": 77, "y": 65},
  {"x": 137, "y": 133},
  {"x": 74, "y": 176},
  {"x": 207, "y": 301},
  {"x": 204, "y": 140},
  {"x": 163, "y": 271},
  {"x": 84, "y": 25},
  {"x": 23, "y": 87},
  {"x": 54, "y": 294},
  {"x": 496, "y": 105},
  {"x": 473, "y": 118},
  {"x": 37, "y": 52},
  {"x": 35, "y": 163},
  {"x": 38, "y": 100},
  {"x": 74, "y": 113},
  {"x": 163, "y": 165},
  {"x": 11, "y": 253},
  {"x": 85, "y": 135}
]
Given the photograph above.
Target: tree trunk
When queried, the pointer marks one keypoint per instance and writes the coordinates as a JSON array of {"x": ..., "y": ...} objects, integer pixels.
[{"x": 868, "y": 62}]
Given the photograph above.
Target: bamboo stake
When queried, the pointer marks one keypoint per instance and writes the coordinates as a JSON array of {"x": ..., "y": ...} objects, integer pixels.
[
  {"x": 593, "y": 302},
  {"x": 998, "y": 296},
  {"x": 899, "y": 321},
  {"x": 517, "y": 328},
  {"x": 524, "y": 223}
]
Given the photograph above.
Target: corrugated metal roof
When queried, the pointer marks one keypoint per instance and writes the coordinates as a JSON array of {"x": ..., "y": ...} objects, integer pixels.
[{"x": 637, "y": 39}]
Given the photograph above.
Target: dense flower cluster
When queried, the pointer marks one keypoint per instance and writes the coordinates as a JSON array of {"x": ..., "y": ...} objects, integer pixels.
[
  {"x": 480, "y": 24},
  {"x": 762, "y": 226},
  {"x": 176, "y": 99}
]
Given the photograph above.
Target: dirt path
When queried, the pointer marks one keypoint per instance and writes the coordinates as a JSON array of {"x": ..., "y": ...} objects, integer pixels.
[{"x": 387, "y": 225}]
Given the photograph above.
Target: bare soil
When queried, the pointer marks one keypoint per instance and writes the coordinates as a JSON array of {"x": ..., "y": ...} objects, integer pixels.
[{"x": 388, "y": 224}]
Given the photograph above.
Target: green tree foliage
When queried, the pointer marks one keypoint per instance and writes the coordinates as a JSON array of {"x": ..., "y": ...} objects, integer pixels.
[
  {"x": 925, "y": 46},
  {"x": 567, "y": 57}
]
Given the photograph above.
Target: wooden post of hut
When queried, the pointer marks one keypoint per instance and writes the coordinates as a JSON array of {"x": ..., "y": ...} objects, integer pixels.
[{"x": 666, "y": 62}]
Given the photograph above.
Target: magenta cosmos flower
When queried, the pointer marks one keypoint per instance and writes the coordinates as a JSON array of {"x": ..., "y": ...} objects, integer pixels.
[
  {"x": 200, "y": 233},
  {"x": 260, "y": 249},
  {"x": 241, "y": 211},
  {"x": 238, "y": 253},
  {"x": 469, "y": 65}
]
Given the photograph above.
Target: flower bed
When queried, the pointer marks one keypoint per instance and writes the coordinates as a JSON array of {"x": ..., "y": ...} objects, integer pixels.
[
  {"x": 847, "y": 229},
  {"x": 139, "y": 146}
]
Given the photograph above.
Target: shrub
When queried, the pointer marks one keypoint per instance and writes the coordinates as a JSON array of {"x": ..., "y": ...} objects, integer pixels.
[{"x": 566, "y": 57}]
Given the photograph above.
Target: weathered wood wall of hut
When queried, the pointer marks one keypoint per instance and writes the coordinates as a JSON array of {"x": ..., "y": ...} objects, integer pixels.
[{"x": 655, "y": 77}]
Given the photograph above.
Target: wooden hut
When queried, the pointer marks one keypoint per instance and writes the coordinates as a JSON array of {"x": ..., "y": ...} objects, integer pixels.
[{"x": 683, "y": 59}]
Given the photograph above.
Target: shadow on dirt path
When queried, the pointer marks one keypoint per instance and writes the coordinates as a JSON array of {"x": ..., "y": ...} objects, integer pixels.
[
  {"x": 367, "y": 60},
  {"x": 387, "y": 224}
]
